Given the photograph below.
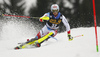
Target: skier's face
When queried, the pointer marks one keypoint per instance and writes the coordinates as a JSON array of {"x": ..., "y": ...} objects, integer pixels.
[{"x": 55, "y": 12}]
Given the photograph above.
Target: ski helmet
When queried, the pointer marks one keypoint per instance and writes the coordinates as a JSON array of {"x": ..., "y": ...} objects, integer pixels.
[{"x": 54, "y": 7}]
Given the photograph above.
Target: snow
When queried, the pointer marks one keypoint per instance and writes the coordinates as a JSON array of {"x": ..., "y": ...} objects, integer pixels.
[
  {"x": 14, "y": 32},
  {"x": 17, "y": 28}
]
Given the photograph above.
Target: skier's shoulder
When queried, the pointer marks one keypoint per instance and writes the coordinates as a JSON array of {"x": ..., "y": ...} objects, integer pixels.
[{"x": 63, "y": 16}]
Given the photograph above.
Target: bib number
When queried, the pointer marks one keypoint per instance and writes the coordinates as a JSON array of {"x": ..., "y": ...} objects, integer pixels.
[{"x": 54, "y": 21}]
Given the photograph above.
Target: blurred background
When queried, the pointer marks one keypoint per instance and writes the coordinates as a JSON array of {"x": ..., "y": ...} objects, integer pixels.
[{"x": 78, "y": 12}]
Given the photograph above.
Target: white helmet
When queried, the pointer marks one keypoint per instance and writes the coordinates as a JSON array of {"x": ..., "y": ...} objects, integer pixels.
[{"x": 54, "y": 7}]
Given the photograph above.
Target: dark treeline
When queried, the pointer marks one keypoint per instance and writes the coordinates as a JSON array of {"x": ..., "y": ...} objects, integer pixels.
[{"x": 80, "y": 15}]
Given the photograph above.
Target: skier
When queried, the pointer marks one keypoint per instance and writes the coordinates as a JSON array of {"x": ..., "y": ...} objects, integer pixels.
[
  {"x": 52, "y": 25},
  {"x": 53, "y": 20}
]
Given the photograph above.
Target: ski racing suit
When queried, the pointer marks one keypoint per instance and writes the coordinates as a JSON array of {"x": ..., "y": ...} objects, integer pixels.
[{"x": 52, "y": 24}]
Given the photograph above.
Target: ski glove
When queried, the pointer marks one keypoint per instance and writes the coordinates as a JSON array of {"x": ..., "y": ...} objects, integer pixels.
[
  {"x": 70, "y": 38},
  {"x": 41, "y": 20}
]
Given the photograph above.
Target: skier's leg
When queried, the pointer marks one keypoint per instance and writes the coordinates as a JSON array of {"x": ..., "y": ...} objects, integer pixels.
[
  {"x": 49, "y": 33},
  {"x": 55, "y": 33},
  {"x": 44, "y": 34},
  {"x": 38, "y": 36},
  {"x": 41, "y": 34}
]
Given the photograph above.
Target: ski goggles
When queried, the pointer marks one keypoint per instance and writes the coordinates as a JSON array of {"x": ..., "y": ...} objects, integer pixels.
[{"x": 54, "y": 10}]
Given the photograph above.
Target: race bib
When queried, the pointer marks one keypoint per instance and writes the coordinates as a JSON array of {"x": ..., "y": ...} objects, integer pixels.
[{"x": 55, "y": 21}]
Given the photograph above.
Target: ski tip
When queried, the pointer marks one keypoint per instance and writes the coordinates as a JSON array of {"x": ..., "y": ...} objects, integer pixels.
[{"x": 16, "y": 48}]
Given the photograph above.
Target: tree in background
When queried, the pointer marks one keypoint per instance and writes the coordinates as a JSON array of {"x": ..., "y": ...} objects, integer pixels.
[{"x": 97, "y": 3}]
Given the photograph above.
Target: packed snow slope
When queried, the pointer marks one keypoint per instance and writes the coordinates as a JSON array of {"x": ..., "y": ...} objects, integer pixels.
[{"x": 15, "y": 32}]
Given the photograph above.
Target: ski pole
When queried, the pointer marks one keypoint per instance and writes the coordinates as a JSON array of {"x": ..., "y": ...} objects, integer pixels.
[
  {"x": 20, "y": 16},
  {"x": 53, "y": 37},
  {"x": 78, "y": 36}
]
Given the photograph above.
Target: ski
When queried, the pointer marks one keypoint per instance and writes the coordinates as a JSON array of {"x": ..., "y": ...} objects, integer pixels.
[
  {"x": 34, "y": 42},
  {"x": 26, "y": 44}
]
